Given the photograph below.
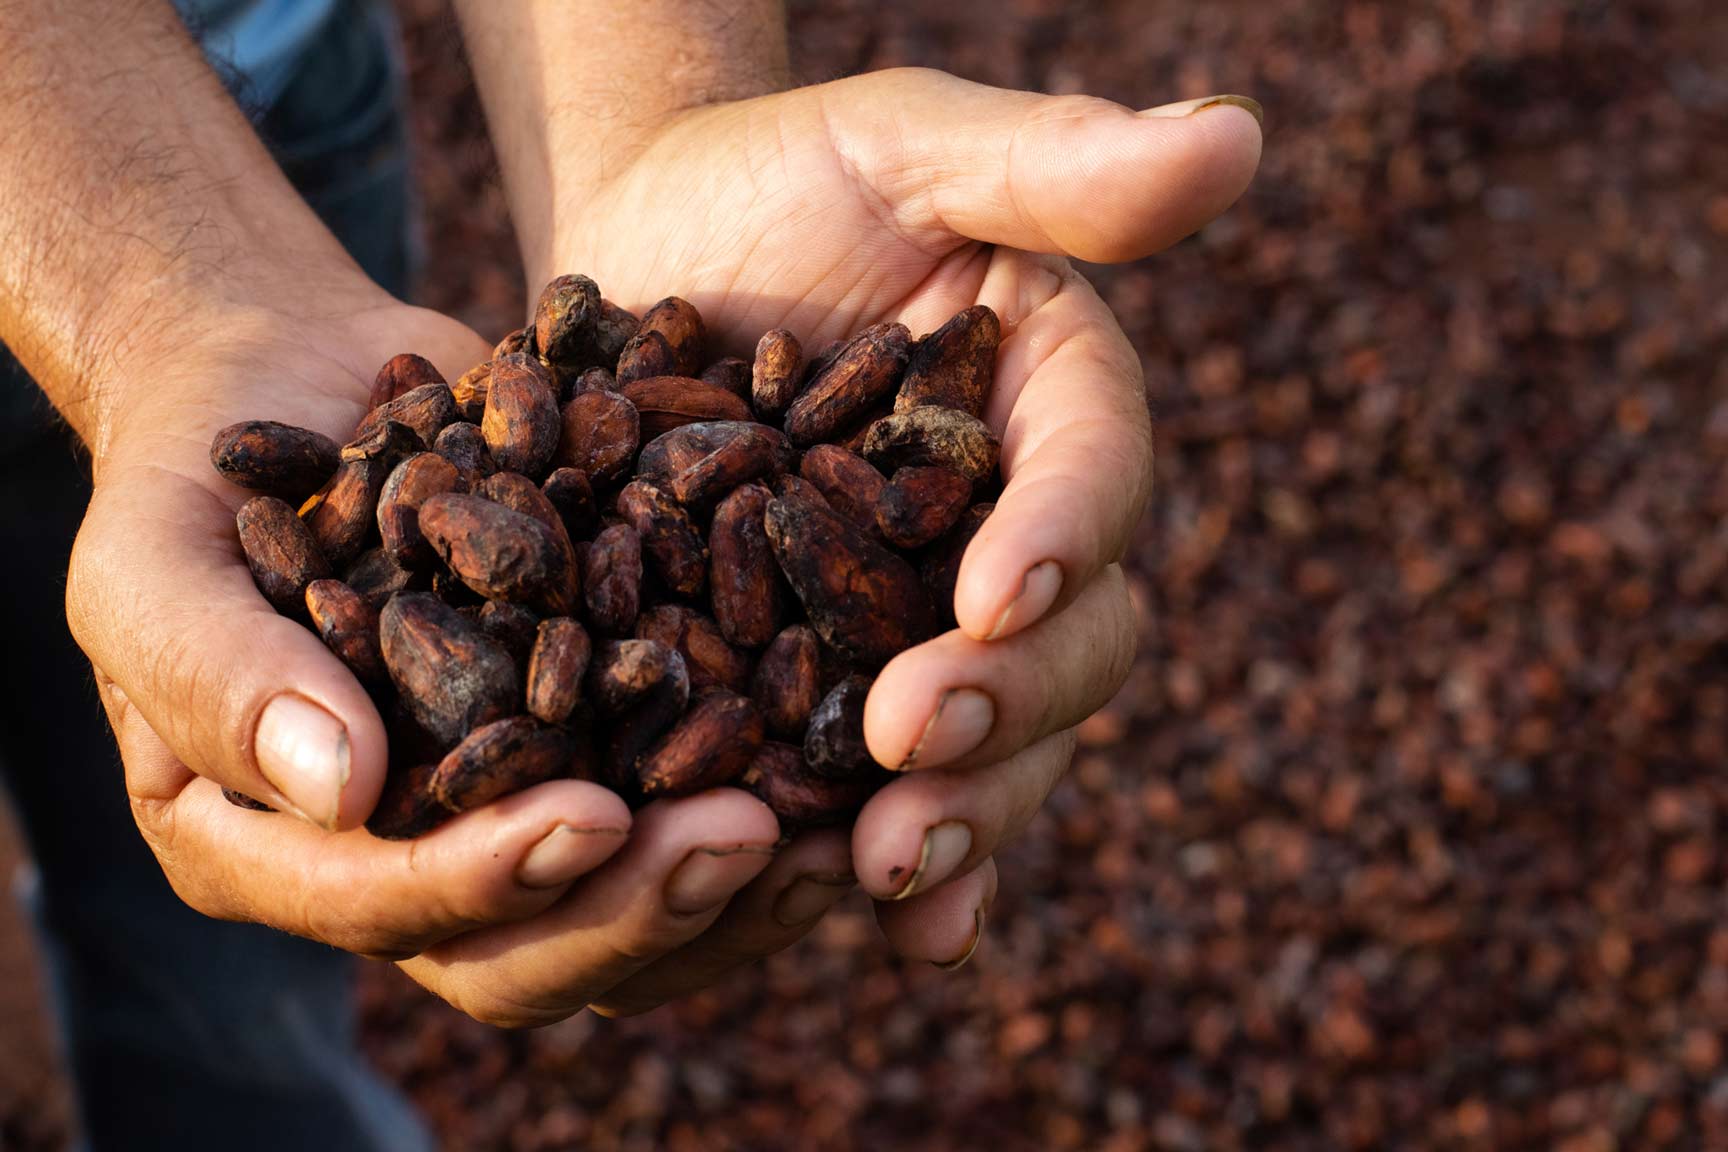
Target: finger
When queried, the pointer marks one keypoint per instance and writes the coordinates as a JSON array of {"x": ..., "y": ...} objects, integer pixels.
[
  {"x": 1069, "y": 174},
  {"x": 160, "y": 598},
  {"x": 1077, "y": 455},
  {"x": 927, "y": 827},
  {"x": 808, "y": 877},
  {"x": 944, "y": 926},
  {"x": 684, "y": 861},
  {"x": 499, "y": 863},
  {"x": 959, "y": 702}
]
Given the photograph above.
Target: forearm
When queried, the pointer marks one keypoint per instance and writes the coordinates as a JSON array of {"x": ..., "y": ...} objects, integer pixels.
[
  {"x": 573, "y": 89},
  {"x": 134, "y": 199}
]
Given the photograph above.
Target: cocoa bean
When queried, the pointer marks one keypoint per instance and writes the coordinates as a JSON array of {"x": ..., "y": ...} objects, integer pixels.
[
  {"x": 853, "y": 441},
  {"x": 565, "y": 318},
  {"x": 282, "y": 552},
  {"x": 450, "y": 589},
  {"x": 697, "y": 464},
  {"x": 517, "y": 343},
  {"x": 940, "y": 567},
  {"x": 556, "y": 668},
  {"x": 743, "y": 579},
  {"x": 681, "y": 325},
  {"x": 798, "y": 797},
  {"x": 944, "y": 437},
  {"x": 426, "y": 410},
  {"x": 421, "y": 475},
  {"x": 595, "y": 380},
  {"x": 862, "y": 374},
  {"x": 712, "y": 745},
  {"x": 847, "y": 481},
  {"x": 276, "y": 459},
  {"x": 834, "y": 744},
  {"x": 406, "y": 807},
  {"x": 400, "y": 375},
  {"x": 387, "y": 444},
  {"x": 241, "y": 800},
  {"x": 500, "y": 759},
  {"x": 667, "y": 402},
  {"x": 821, "y": 362},
  {"x": 669, "y": 537},
  {"x": 612, "y": 331},
  {"x": 571, "y": 494},
  {"x": 708, "y": 658},
  {"x": 519, "y": 494},
  {"x": 612, "y": 580},
  {"x": 863, "y": 600},
  {"x": 349, "y": 628},
  {"x": 452, "y": 676},
  {"x": 601, "y": 431},
  {"x": 774, "y": 375},
  {"x": 464, "y": 445},
  {"x": 513, "y": 626},
  {"x": 642, "y": 687},
  {"x": 470, "y": 390},
  {"x": 788, "y": 681},
  {"x": 951, "y": 367},
  {"x": 376, "y": 577},
  {"x": 521, "y": 422},
  {"x": 921, "y": 503},
  {"x": 500, "y": 553},
  {"x": 729, "y": 373},
  {"x": 647, "y": 354}
]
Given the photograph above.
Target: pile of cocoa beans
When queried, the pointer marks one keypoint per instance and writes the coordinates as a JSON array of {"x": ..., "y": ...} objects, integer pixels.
[{"x": 600, "y": 556}]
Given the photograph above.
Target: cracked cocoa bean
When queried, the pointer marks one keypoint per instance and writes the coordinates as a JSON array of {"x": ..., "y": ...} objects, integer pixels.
[
  {"x": 943, "y": 437},
  {"x": 612, "y": 580},
  {"x": 556, "y": 668},
  {"x": 834, "y": 743},
  {"x": 517, "y": 343},
  {"x": 798, "y": 797},
  {"x": 421, "y": 475},
  {"x": 670, "y": 540},
  {"x": 775, "y": 374},
  {"x": 565, "y": 318},
  {"x": 464, "y": 445},
  {"x": 276, "y": 459},
  {"x": 698, "y": 464},
  {"x": 498, "y": 552},
  {"x": 863, "y": 600},
  {"x": 426, "y": 410},
  {"x": 951, "y": 367},
  {"x": 348, "y": 626},
  {"x": 469, "y": 392},
  {"x": 921, "y": 503},
  {"x": 387, "y": 443},
  {"x": 594, "y": 380},
  {"x": 940, "y": 567},
  {"x": 376, "y": 577},
  {"x": 788, "y": 681},
  {"x": 282, "y": 552},
  {"x": 451, "y": 675},
  {"x": 521, "y": 421},
  {"x": 864, "y": 372},
  {"x": 601, "y": 431},
  {"x": 400, "y": 375},
  {"x": 708, "y": 658},
  {"x": 668, "y": 402},
  {"x": 501, "y": 759},
  {"x": 712, "y": 745},
  {"x": 848, "y": 482},
  {"x": 743, "y": 579}
]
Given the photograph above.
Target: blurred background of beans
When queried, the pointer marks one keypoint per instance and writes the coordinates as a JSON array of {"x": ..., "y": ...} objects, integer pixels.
[{"x": 1408, "y": 829}]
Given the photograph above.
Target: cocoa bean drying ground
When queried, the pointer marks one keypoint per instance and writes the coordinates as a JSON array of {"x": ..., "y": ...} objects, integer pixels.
[{"x": 1407, "y": 831}]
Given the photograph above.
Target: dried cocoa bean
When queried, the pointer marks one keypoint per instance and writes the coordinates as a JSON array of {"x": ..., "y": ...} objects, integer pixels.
[
  {"x": 519, "y": 494},
  {"x": 647, "y": 354},
  {"x": 571, "y": 494},
  {"x": 521, "y": 421},
  {"x": 834, "y": 744},
  {"x": 863, "y": 600},
  {"x": 349, "y": 628},
  {"x": 743, "y": 579},
  {"x": 708, "y": 658},
  {"x": 821, "y": 362},
  {"x": 669, "y": 537},
  {"x": 642, "y": 687},
  {"x": 282, "y": 552},
  {"x": 276, "y": 459},
  {"x": 862, "y": 374},
  {"x": 470, "y": 390},
  {"x": 681, "y": 326},
  {"x": 729, "y": 373},
  {"x": 241, "y": 800},
  {"x": 595, "y": 380},
  {"x": 421, "y": 475},
  {"x": 565, "y": 318},
  {"x": 612, "y": 580},
  {"x": 788, "y": 681},
  {"x": 387, "y": 444},
  {"x": 407, "y": 808},
  {"x": 612, "y": 331},
  {"x": 943, "y": 437},
  {"x": 919, "y": 504},
  {"x": 501, "y": 759},
  {"x": 712, "y": 745},
  {"x": 452, "y": 676},
  {"x": 847, "y": 481},
  {"x": 513, "y": 626},
  {"x": 464, "y": 445},
  {"x": 951, "y": 367},
  {"x": 601, "y": 431},
  {"x": 801, "y": 799},
  {"x": 500, "y": 553},
  {"x": 426, "y": 410},
  {"x": 667, "y": 402},
  {"x": 697, "y": 464},
  {"x": 940, "y": 567},
  {"x": 400, "y": 375},
  {"x": 556, "y": 669},
  {"x": 774, "y": 376},
  {"x": 376, "y": 577},
  {"x": 854, "y": 440},
  {"x": 517, "y": 343}
]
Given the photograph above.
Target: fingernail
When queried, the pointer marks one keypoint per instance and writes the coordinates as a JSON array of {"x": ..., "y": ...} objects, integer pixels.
[
  {"x": 1038, "y": 590},
  {"x": 303, "y": 751},
  {"x": 977, "y": 936},
  {"x": 709, "y": 877},
  {"x": 561, "y": 855},
  {"x": 809, "y": 896},
  {"x": 963, "y": 717},
  {"x": 1183, "y": 108},
  {"x": 945, "y": 846}
]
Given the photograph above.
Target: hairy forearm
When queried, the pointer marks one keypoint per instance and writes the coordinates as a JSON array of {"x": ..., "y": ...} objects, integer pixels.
[
  {"x": 134, "y": 199},
  {"x": 573, "y": 89}
]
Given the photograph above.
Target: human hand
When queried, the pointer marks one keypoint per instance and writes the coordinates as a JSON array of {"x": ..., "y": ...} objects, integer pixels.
[{"x": 908, "y": 195}]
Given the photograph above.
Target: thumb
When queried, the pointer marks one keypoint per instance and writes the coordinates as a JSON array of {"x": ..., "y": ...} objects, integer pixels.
[{"x": 1075, "y": 175}]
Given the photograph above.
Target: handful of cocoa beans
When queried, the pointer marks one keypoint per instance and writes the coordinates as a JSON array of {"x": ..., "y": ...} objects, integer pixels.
[{"x": 600, "y": 556}]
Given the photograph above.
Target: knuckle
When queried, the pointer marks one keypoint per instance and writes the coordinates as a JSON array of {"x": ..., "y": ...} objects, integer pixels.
[{"x": 497, "y": 1005}]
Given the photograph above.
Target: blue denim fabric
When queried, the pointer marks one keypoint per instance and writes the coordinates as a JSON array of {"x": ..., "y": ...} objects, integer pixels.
[{"x": 186, "y": 1033}]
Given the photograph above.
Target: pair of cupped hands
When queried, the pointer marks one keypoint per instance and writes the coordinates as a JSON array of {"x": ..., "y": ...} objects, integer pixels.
[{"x": 902, "y": 195}]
